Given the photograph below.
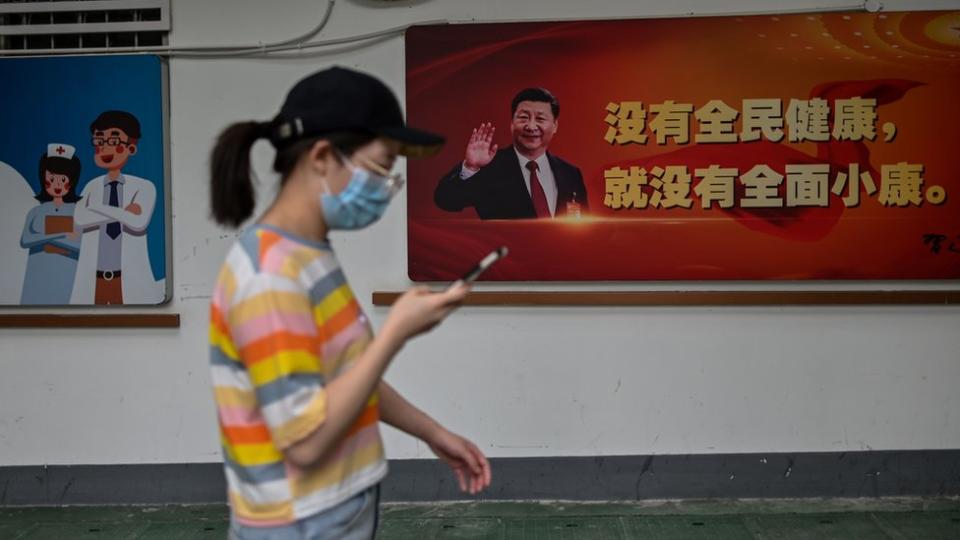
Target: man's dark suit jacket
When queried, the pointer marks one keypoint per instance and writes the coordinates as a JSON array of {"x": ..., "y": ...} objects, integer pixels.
[{"x": 497, "y": 191}]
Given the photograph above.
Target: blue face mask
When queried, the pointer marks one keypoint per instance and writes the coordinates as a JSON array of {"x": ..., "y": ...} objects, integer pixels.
[{"x": 362, "y": 202}]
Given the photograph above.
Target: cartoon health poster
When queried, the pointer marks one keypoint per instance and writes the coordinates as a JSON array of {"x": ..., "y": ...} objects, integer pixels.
[
  {"x": 82, "y": 181},
  {"x": 813, "y": 146}
]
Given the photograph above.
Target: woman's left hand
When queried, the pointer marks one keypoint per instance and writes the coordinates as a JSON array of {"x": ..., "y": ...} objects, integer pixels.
[{"x": 466, "y": 460}]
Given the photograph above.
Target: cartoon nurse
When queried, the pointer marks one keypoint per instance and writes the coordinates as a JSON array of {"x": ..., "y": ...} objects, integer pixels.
[{"x": 48, "y": 232}]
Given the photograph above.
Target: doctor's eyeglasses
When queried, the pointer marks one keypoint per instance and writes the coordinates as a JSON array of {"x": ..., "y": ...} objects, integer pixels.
[{"x": 113, "y": 140}]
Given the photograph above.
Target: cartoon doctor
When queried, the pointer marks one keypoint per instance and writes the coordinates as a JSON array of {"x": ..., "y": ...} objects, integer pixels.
[{"x": 113, "y": 212}]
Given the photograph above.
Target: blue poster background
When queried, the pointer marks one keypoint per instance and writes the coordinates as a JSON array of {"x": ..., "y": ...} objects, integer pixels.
[{"x": 54, "y": 100}]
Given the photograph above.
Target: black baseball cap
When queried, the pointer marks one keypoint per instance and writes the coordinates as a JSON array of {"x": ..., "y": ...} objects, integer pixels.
[{"x": 341, "y": 99}]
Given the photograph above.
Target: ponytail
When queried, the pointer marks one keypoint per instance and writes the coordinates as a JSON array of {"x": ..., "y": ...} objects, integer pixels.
[{"x": 232, "y": 195}]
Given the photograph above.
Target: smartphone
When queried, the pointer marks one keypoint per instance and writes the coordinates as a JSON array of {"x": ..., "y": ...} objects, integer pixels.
[{"x": 484, "y": 263}]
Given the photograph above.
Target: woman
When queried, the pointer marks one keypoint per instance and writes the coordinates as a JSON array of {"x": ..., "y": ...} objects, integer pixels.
[
  {"x": 48, "y": 232},
  {"x": 296, "y": 367}
]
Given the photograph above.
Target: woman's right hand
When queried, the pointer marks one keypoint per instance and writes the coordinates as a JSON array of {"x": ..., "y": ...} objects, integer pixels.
[{"x": 418, "y": 310}]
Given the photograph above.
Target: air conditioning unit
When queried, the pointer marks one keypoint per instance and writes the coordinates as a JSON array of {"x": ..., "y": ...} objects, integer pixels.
[{"x": 83, "y": 24}]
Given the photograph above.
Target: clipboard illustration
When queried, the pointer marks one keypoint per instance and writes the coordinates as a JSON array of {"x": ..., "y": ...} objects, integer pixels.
[{"x": 57, "y": 224}]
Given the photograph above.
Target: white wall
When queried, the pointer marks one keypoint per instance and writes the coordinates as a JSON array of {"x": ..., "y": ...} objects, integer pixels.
[{"x": 519, "y": 381}]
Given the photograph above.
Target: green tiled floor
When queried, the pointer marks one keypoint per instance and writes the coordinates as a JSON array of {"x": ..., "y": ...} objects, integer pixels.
[{"x": 861, "y": 519}]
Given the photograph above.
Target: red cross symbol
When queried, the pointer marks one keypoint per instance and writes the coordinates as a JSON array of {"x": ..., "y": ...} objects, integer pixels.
[{"x": 60, "y": 150}]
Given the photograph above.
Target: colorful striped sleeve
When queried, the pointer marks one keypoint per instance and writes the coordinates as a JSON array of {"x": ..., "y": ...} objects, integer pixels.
[{"x": 272, "y": 327}]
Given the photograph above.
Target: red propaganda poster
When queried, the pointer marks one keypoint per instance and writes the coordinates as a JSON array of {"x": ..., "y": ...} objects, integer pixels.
[{"x": 794, "y": 147}]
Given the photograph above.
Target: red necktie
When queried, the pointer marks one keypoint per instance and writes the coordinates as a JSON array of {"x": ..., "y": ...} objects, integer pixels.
[{"x": 539, "y": 199}]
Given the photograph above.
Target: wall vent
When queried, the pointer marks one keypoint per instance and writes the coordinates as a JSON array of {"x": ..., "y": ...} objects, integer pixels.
[{"x": 83, "y": 24}]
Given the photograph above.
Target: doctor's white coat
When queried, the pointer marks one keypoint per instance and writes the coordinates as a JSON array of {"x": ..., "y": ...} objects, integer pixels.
[{"x": 139, "y": 285}]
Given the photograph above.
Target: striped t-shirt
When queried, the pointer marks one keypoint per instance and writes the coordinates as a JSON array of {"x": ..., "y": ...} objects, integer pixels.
[{"x": 283, "y": 324}]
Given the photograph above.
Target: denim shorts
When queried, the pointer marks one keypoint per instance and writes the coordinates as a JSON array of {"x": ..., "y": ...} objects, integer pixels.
[{"x": 354, "y": 519}]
